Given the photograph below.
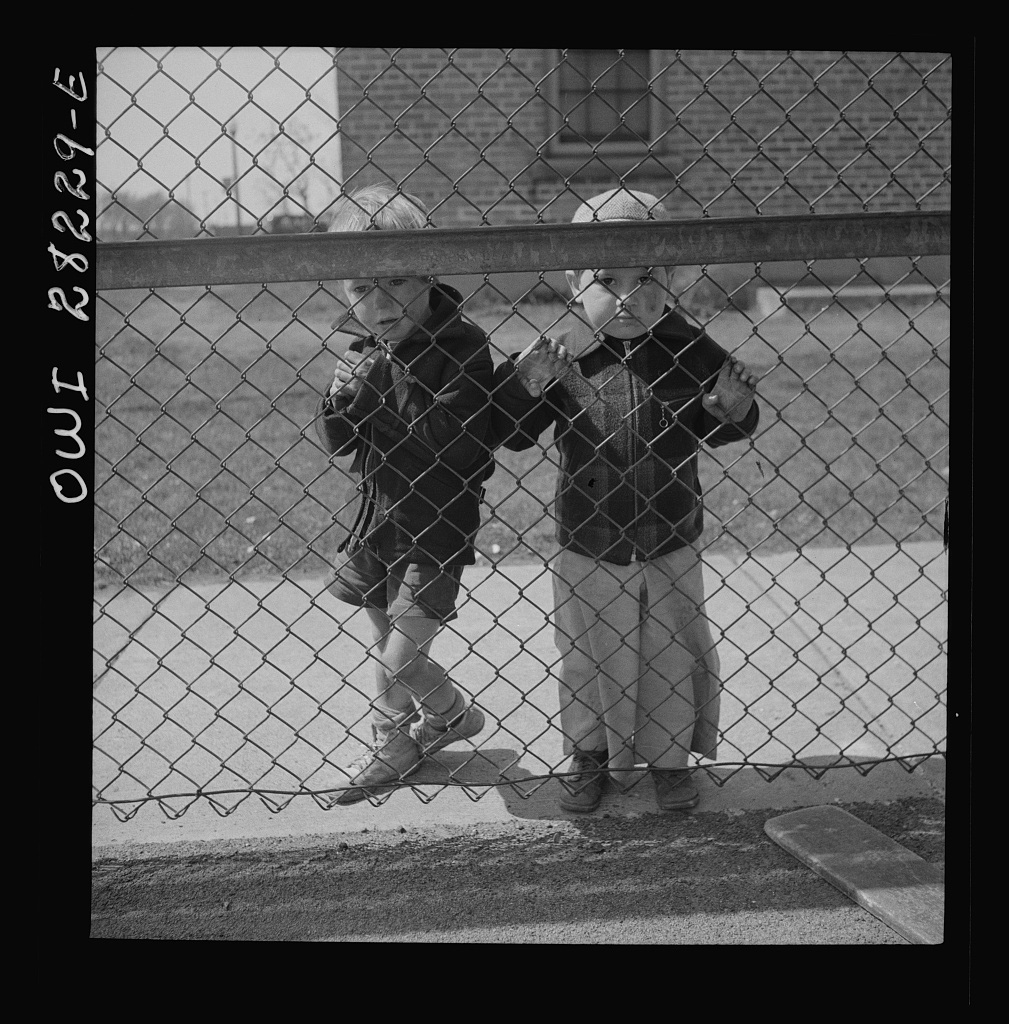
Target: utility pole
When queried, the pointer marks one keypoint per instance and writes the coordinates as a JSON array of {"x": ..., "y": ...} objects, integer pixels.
[
  {"x": 338, "y": 168},
  {"x": 233, "y": 131}
]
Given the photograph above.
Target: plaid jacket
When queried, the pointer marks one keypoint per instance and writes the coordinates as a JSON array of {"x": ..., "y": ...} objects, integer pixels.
[
  {"x": 417, "y": 430},
  {"x": 628, "y": 422}
]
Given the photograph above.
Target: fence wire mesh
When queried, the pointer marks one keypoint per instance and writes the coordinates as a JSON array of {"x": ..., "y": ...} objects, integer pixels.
[{"x": 224, "y": 668}]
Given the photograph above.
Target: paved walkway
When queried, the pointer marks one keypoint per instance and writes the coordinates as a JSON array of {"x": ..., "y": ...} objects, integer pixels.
[{"x": 823, "y": 651}]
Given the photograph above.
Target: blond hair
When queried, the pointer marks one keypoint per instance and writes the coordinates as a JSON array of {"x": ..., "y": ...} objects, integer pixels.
[{"x": 378, "y": 208}]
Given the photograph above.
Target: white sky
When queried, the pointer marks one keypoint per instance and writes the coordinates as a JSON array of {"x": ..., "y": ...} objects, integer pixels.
[{"x": 168, "y": 131}]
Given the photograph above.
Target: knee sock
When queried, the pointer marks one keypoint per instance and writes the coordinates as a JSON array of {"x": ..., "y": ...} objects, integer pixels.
[{"x": 442, "y": 719}]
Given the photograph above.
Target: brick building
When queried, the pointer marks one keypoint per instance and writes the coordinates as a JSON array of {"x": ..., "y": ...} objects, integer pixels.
[{"x": 491, "y": 136}]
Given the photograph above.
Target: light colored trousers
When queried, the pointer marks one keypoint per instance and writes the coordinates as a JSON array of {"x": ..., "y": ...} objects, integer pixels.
[{"x": 639, "y": 673}]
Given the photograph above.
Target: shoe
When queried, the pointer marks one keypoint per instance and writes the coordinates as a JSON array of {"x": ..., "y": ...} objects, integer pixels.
[
  {"x": 392, "y": 756},
  {"x": 584, "y": 789},
  {"x": 675, "y": 789},
  {"x": 430, "y": 739}
]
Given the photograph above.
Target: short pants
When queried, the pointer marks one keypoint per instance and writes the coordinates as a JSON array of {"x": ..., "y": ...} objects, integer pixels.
[{"x": 401, "y": 589}]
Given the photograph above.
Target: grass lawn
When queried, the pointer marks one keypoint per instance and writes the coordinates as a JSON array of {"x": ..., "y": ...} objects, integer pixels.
[{"x": 207, "y": 462}]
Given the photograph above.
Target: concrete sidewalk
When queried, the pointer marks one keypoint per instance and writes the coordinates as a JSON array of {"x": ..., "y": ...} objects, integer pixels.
[{"x": 824, "y": 652}]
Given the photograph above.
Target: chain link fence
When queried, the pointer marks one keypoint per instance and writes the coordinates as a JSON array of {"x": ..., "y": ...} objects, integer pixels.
[{"x": 808, "y": 196}]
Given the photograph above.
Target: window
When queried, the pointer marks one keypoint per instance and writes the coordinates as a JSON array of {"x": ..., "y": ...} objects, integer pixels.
[{"x": 603, "y": 97}]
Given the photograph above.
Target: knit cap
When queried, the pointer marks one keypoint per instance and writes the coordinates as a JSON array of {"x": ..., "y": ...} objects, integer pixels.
[{"x": 620, "y": 204}]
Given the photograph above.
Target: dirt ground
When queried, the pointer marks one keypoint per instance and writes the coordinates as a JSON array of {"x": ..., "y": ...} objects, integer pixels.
[{"x": 655, "y": 879}]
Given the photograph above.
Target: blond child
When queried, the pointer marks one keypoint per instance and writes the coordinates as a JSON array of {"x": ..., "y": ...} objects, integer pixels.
[{"x": 409, "y": 401}]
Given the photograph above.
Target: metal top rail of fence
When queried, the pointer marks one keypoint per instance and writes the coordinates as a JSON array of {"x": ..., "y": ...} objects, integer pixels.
[{"x": 333, "y": 256}]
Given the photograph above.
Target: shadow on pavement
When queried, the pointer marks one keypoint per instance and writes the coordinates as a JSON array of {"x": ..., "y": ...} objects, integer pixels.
[
  {"x": 525, "y": 795},
  {"x": 477, "y": 768},
  {"x": 813, "y": 780}
]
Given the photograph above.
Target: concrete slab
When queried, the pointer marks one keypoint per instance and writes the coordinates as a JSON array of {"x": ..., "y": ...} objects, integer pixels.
[
  {"x": 832, "y": 650},
  {"x": 825, "y": 652},
  {"x": 893, "y": 884}
]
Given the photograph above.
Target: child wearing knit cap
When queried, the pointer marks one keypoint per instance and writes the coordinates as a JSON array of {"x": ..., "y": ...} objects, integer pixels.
[{"x": 632, "y": 392}]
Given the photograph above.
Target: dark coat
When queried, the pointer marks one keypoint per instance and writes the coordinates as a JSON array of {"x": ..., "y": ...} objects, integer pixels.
[
  {"x": 628, "y": 421},
  {"x": 417, "y": 430}
]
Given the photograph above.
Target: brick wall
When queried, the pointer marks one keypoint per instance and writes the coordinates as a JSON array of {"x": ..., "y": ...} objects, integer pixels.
[{"x": 738, "y": 133}]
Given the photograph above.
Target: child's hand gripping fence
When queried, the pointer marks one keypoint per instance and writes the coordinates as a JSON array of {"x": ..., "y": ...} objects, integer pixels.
[{"x": 224, "y": 669}]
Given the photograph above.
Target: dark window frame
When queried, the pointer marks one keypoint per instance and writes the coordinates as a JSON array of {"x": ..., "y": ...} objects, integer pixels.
[{"x": 580, "y": 147}]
